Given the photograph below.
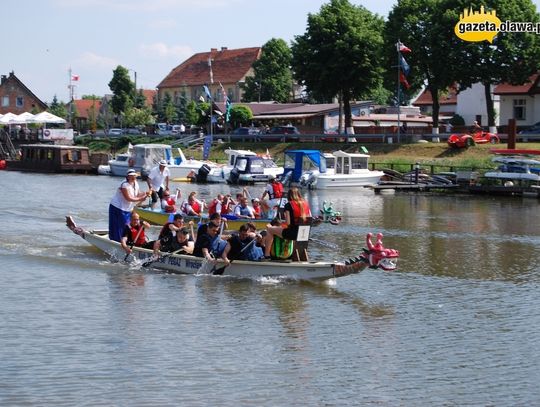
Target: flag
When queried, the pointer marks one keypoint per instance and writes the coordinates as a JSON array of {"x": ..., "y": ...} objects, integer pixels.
[
  {"x": 207, "y": 91},
  {"x": 227, "y": 103},
  {"x": 402, "y": 48},
  {"x": 403, "y": 80},
  {"x": 211, "y": 72},
  {"x": 74, "y": 77},
  {"x": 206, "y": 146},
  {"x": 404, "y": 65}
]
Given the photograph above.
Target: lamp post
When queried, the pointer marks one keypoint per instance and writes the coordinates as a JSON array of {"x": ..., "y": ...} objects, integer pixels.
[{"x": 416, "y": 172}]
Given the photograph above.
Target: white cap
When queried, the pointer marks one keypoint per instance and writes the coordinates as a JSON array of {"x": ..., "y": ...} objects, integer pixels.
[
  {"x": 131, "y": 171},
  {"x": 163, "y": 162}
]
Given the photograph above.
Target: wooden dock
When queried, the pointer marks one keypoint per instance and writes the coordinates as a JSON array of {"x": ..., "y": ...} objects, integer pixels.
[{"x": 420, "y": 187}]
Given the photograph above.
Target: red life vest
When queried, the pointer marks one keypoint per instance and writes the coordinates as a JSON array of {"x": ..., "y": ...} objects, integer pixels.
[
  {"x": 257, "y": 211},
  {"x": 141, "y": 239},
  {"x": 170, "y": 205},
  {"x": 277, "y": 188},
  {"x": 196, "y": 206},
  {"x": 213, "y": 205},
  {"x": 297, "y": 211}
]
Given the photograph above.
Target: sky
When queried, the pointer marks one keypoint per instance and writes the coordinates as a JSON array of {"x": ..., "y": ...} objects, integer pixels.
[{"x": 44, "y": 39}]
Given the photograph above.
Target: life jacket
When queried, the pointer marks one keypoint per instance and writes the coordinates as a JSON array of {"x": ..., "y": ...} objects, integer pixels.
[
  {"x": 282, "y": 248},
  {"x": 297, "y": 212},
  {"x": 213, "y": 206},
  {"x": 170, "y": 205},
  {"x": 244, "y": 211},
  {"x": 196, "y": 206},
  {"x": 133, "y": 233},
  {"x": 277, "y": 190},
  {"x": 257, "y": 211}
]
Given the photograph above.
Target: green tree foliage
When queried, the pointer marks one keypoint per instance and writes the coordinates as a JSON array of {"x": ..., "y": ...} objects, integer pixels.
[
  {"x": 511, "y": 58},
  {"x": 240, "y": 115},
  {"x": 138, "y": 117},
  {"x": 140, "y": 99},
  {"x": 427, "y": 28},
  {"x": 91, "y": 97},
  {"x": 123, "y": 89},
  {"x": 340, "y": 53},
  {"x": 192, "y": 117},
  {"x": 58, "y": 108},
  {"x": 272, "y": 78}
]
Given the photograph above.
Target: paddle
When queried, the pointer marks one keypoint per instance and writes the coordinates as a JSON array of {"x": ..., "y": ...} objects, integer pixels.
[
  {"x": 219, "y": 271},
  {"x": 134, "y": 240}
]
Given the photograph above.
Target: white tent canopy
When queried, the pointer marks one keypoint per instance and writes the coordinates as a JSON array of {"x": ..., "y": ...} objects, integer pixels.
[
  {"x": 23, "y": 118},
  {"x": 46, "y": 117},
  {"x": 5, "y": 119}
]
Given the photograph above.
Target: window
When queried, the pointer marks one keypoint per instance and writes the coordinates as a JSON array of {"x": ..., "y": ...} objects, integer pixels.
[
  {"x": 519, "y": 109},
  {"x": 5, "y": 101},
  {"x": 19, "y": 101}
]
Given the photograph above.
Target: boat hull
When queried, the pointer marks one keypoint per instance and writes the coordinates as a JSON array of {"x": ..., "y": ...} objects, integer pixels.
[
  {"x": 329, "y": 181},
  {"x": 186, "y": 264}
]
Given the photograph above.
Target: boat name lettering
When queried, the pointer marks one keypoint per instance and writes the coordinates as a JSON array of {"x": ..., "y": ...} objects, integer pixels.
[
  {"x": 175, "y": 261},
  {"x": 193, "y": 264}
]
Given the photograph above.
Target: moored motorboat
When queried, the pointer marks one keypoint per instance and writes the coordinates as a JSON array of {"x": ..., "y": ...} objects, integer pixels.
[{"x": 375, "y": 256}]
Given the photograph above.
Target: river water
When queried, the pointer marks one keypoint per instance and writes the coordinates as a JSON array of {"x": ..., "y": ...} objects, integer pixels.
[{"x": 457, "y": 325}]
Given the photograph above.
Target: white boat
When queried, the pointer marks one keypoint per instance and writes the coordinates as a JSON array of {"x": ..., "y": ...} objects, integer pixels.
[
  {"x": 515, "y": 168},
  {"x": 143, "y": 157},
  {"x": 244, "y": 166},
  {"x": 326, "y": 171},
  {"x": 118, "y": 166},
  {"x": 376, "y": 256}
]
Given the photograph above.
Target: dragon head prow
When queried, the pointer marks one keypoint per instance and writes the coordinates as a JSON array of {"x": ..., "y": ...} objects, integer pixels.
[{"x": 379, "y": 256}]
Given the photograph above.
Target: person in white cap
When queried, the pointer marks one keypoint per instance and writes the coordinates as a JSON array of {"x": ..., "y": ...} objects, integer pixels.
[
  {"x": 122, "y": 203},
  {"x": 158, "y": 182}
]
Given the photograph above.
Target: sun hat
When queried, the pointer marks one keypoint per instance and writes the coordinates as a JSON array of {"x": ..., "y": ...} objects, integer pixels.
[
  {"x": 255, "y": 200},
  {"x": 131, "y": 171},
  {"x": 163, "y": 162}
]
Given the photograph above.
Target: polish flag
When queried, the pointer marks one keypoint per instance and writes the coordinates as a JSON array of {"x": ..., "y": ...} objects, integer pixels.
[
  {"x": 74, "y": 77},
  {"x": 402, "y": 48}
]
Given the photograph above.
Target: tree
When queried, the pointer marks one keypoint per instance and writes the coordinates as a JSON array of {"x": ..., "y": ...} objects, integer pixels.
[
  {"x": 192, "y": 117},
  {"x": 272, "y": 78},
  {"x": 123, "y": 89},
  {"x": 427, "y": 28},
  {"x": 340, "y": 54},
  {"x": 57, "y": 108},
  {"x": 240, "y": 115},
  {"x": 138, "y": 117},
  {"x": 512, "y": 57}
]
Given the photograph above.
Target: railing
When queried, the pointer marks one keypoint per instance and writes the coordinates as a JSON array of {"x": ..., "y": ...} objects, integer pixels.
[{"x": 433, "y": 168}]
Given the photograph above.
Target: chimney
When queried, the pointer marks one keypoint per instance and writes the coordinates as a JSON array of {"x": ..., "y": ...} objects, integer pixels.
[
  {"x": 224, "y": 48},
  {"x": 213, "y": 49},
  {"x": 3, "y": 79}
]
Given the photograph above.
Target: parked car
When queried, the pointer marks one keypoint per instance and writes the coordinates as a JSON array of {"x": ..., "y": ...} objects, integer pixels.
[
  {"x": 534, "y": 129},
  {"x": 282, "y": 133},
  {"x": 115, "y": 132},
  {"x": 467, "y": 140},
  {"x": 245, "y": 133}
]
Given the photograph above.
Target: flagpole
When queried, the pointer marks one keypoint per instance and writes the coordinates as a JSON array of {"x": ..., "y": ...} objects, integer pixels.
[
  {"x": 398, "y": 94},
  {"x": 210, "y": 88}
]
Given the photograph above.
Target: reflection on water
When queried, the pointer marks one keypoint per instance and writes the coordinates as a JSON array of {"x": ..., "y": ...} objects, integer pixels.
[{"x": 457, "y": 324}]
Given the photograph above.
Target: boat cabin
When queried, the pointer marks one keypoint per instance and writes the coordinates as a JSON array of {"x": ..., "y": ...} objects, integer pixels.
[
  {"x": 350, "y": 163},
  {"x": 51, "y": 158},
  {"x": 297, "y": 162},
  {"x": 248, "y": 169}
]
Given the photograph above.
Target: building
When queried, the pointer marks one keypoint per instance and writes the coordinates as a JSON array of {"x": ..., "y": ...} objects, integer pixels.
[
  {"x": 86, "y": 113},
  {"x": 226, "y": 67},
  {"x": 520, "y": 102},
  {"x": 16, "y": 98}
]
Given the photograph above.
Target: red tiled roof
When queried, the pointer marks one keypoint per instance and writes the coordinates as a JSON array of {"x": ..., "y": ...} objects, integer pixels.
[
  {"x": 149, "y": 96},
  {"x": 228, "y": 66},
  {"x": 84, "y": 107},
  {"x": 425, "y": 98},
  {"x": 531, "y": 86}
]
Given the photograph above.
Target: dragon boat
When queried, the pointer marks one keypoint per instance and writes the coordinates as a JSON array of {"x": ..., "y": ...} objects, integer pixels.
[{"x": 375, "y": 256}]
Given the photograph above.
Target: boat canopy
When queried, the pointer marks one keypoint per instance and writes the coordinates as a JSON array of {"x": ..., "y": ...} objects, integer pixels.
[{"x": 299, "y": 161}]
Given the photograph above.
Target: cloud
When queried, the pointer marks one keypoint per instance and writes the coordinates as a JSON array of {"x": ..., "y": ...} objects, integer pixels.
[
  {"x": 161, "y": 50},
  {"x": 94, "y": 61}
]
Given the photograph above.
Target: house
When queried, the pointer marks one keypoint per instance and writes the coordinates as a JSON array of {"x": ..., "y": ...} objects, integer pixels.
[
  {"x": 520, "y": 102},
  {"x": 16, "y": 98},
  {"x": 447, "y": 102},
  {"x": 86, "y": 112},
  {"x": 226, "y": 67}
]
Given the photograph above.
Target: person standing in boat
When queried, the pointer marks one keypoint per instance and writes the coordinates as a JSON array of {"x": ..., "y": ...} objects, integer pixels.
[
  {"x": 134, "y": 235},
  {"x": 274, "y": 191},
  {"x": 297, "y": 212},
  {"x": 158, "y": 181},
  {"x": 122, "y": 203}
]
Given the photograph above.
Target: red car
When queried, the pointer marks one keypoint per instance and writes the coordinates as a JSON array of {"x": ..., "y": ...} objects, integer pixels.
[{"x": 467, "y": 140}]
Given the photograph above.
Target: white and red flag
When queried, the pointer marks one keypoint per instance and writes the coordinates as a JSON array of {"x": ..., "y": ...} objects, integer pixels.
[
  {"x": 402, "y": 48},
  {"x": 74, "y": 78}
]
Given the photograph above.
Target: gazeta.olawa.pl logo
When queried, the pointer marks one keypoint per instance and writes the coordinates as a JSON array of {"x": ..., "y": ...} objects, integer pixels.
[{"x": 476, "y": 26}]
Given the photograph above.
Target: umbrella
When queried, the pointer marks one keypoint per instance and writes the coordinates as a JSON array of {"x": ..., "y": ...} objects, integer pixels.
[
  {"x": 23, "y": 118},
  {"x": 46, "y": 117},
  {"x": 5, "y": 119}
]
